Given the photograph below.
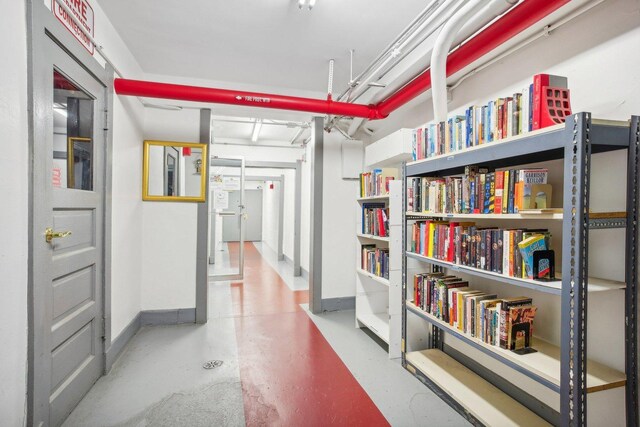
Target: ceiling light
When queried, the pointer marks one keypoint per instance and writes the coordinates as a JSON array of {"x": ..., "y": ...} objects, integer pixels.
[
  {"x": 256, "y": 130},
  {"x": 309, "y": 3}
]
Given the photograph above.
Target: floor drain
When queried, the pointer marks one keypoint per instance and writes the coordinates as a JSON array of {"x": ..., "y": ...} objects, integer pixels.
[{"x": 212, "y": 364}]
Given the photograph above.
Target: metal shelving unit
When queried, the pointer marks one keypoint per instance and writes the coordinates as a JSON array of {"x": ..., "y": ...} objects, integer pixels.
[{"x": 573, "y": 375}]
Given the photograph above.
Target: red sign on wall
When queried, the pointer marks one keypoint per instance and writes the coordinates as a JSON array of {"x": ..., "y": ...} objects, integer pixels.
[{"x": 83, "y": 11}]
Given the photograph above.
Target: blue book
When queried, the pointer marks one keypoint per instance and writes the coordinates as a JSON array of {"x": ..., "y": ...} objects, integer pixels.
[
  {"x": 472, "y": 195},
  {"x": 469, "y": 126},
  {"x": 530, "y": 119}
]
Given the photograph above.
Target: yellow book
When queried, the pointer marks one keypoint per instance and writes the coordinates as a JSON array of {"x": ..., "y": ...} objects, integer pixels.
[{"x": 432, "y": 228}]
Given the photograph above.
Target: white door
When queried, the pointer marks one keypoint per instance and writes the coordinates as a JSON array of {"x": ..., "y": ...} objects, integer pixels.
[
  {"x": 67, "y": 239},
  {"x": 227, "y": 177}
]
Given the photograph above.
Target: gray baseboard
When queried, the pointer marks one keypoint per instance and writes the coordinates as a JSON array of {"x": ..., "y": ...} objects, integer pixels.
[
  {"x": 118, "y": 344},
  {"x": 168, "y": 317},
  {"x": 303, "y": 273},
  {"x": 146, "y": 318},
  {"x": 338, "y": 304}
]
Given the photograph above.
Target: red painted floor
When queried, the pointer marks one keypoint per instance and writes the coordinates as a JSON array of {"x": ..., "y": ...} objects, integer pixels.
[{"x": 290, "y": 374}]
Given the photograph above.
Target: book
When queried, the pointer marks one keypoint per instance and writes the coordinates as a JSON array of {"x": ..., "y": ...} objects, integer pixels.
[
  {"x": 520, "y": 327},
  {"x": 527, "y": 247},
  {"x": 506, "y": 305}
]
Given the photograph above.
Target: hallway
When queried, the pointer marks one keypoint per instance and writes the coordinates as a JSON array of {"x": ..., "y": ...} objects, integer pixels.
[{"x": 281, "y": 366}]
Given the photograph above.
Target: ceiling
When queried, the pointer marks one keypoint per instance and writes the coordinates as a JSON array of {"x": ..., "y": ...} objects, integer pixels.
[{"x": 267, "y": 43}]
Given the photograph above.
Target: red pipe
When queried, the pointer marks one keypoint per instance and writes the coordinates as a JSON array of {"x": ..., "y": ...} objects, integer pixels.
[
  {"x": 513, "y": 22},
  {"x": 251, "y": 99}
]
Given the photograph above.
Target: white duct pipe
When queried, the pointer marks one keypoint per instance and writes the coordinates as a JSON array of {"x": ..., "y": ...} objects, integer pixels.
[
  {"x": 429, "y": 25},
  {"x": 492, "y": 10},
  {"x": 441, "y": 51}
]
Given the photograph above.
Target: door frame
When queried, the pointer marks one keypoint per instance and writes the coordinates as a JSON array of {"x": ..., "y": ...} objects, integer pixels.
[
  {"x": 42, "y": 24},
  {"x": 280, "y": 180}
]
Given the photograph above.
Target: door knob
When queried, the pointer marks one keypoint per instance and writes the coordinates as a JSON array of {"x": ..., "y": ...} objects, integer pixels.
[{"x": 49, "y": 234}]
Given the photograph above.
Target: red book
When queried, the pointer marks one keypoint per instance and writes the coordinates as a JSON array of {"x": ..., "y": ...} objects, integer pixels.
[
  {"x": 505, "y": 116},
  {"x": 499, "y": 192},
  {"x": 451, "y": 248},
  {"x": 540, "y": 82},
  {"x": 382, "y": 231}
]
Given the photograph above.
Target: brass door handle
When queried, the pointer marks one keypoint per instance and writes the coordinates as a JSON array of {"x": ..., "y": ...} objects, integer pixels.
[{"x": 49, "y": 234}]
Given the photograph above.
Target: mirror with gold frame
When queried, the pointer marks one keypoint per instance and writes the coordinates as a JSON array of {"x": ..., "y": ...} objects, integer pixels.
[{"x": 174, "y": 171}]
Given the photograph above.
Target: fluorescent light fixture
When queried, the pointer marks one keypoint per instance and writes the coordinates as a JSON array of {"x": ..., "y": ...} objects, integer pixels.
[
  {"x": 311, "y": 4},
  {"x": 256, "y": 130},
  {"x": 301, "y": 3}
]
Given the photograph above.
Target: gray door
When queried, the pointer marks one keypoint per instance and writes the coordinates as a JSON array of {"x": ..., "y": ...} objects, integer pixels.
[
  {"x": 67, "y": 239},
  {"x": 253, "y": 222}
]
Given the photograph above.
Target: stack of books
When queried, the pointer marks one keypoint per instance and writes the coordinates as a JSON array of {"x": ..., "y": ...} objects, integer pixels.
[
  {"x": 501, "y": 118},
  {"x": 507, "y": 323},
  {"x": 479, "y": 191}
]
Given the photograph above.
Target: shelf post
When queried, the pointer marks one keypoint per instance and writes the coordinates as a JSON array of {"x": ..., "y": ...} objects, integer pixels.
[
  {"x": 631, "y": 273},
  {"x": 575, "y": 239},
  {"x": 403, "y": 342}
]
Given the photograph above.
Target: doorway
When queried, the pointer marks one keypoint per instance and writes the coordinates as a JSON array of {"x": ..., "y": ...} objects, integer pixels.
[{"x": 68, "y": 139}]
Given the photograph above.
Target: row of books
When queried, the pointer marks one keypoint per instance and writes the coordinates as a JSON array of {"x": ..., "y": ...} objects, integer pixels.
[
  {"x": 375, "y": 219},
  {"x": 479, "y": 191},
  {"x": 503, "y": 251},
  {"x": 375, "y": 260},
  {"x": 507, "y": 323},
  {"x": 376, "y": 182},
  {"x": 498, "y": 119}
]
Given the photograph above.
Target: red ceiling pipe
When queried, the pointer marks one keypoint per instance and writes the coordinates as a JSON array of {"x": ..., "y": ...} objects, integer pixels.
[
  {"x": 234, "y": 97},
  {"x": 513, "y": 22}
]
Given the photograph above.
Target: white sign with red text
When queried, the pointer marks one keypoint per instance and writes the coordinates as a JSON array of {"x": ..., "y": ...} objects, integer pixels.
[{"x": 81, "y": 10}]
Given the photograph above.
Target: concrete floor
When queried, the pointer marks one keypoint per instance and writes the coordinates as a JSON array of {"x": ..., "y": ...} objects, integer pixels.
[{"x": 159, "y": 379}]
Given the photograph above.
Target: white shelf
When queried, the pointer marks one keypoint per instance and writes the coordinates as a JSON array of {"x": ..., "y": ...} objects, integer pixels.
[
  {"x": 483, "y": 401},
  {"x": 544, "y": 365},
  {"x": 525, "y": 216},
  {"x": 372, "y": 237},
  {"x": 555, "y": 287},
  {"x": 378, "y": 323},
  {"x": 373, "y": 198},
  {"x": 372, "y": 276}
]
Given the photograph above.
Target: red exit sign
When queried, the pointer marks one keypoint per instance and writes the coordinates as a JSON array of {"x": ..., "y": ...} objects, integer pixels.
[{"x": 83, "y": 12}]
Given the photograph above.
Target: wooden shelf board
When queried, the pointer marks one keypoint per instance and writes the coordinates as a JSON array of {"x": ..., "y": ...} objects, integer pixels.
[
  {"x": 555, "y": 287},
  {"x": 372, "y": 237},
  {"x": 524, "y": 215},
  {"x": 373, "y": 277},
  {"x": 373, "y": 198},
  {"x": 484, "y": 401},
  {"x": 544, "y": 364},
  {"x": 378, "y": 323}
]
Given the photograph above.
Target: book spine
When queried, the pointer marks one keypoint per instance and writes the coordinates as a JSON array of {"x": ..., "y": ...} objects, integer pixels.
[{"x": 499, "y": 191}]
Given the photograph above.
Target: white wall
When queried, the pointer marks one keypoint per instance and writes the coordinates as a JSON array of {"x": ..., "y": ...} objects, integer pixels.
[
  {"x": 127, "y": 231},
  {"x": 14, "y": 180},
  {"x": 169, "y": 229},
  {"x": 338, "y": 223},
  {"x": 270, "y": 214}
]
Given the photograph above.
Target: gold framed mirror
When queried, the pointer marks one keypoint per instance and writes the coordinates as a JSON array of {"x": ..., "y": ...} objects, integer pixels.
[{"x": 174, "y": 171}]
